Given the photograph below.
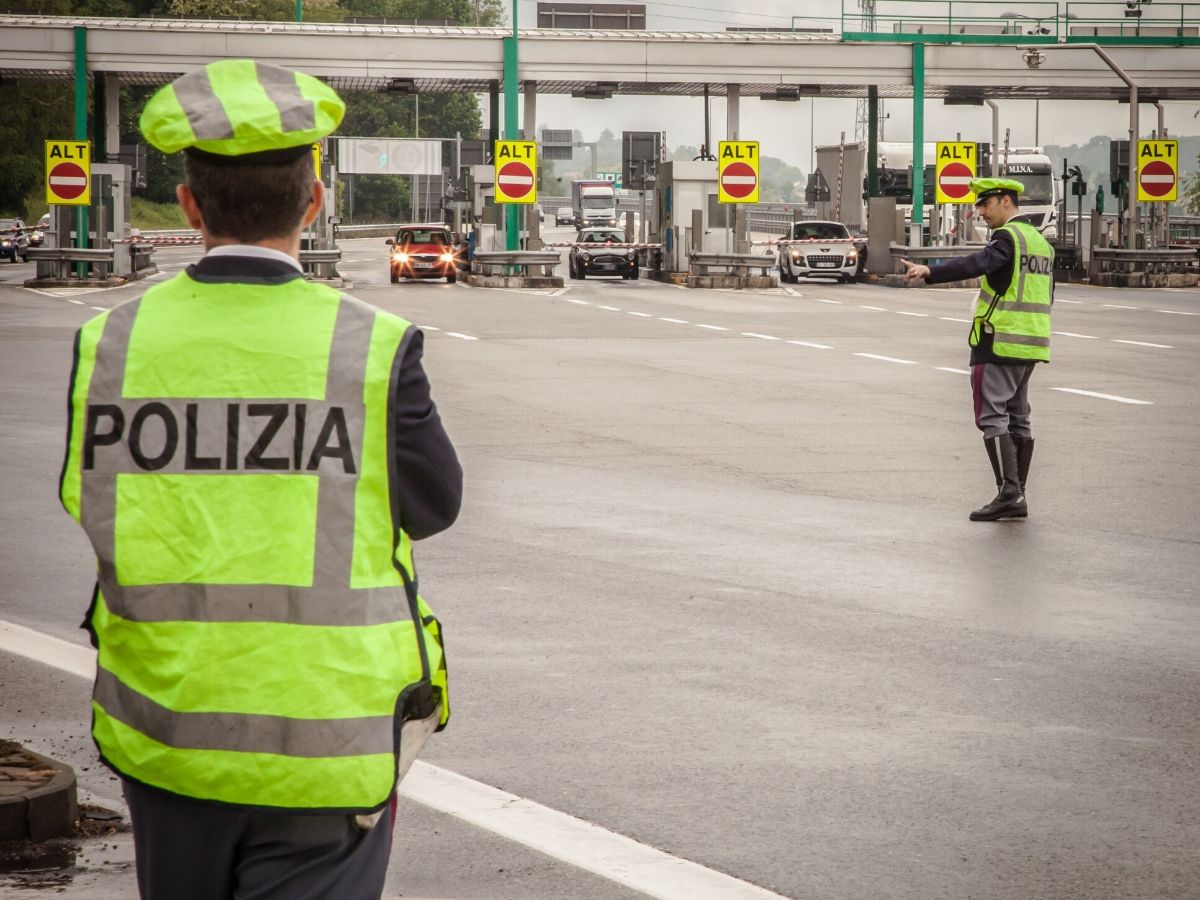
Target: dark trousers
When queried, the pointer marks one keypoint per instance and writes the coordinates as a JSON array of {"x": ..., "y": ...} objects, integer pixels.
[
  {"x": 187, "y": 850},
  {"x": 1001, "y": 395}
]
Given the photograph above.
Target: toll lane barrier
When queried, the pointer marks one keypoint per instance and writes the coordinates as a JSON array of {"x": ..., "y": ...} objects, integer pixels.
[
  {"x": 595, "y": 245},
  {"x": 784, "y": 242}
]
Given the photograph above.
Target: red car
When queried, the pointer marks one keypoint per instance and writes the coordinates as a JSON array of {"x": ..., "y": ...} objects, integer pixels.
[{"x": 424, "y": 251}]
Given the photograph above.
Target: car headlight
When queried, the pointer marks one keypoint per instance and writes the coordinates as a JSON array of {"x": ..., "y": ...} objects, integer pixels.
[
  {"x": 629, "y": 254},
  {"x": 852, "y": 254},
  {"x": 795, "y": 254},
  {"x": 612, "y": 221},
  {"x": 585, "y": 255},
  {"x": 6, "y": 244},
  {"x": 447, "y": 257},
  {"x": 401, "y": 257}
]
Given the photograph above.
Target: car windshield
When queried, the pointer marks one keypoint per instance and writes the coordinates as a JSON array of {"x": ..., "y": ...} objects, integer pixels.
[
  {"x": 1039, "y": 189},
  {"x": 598, "y": 203},
  {"x": 565, "y": 211},
  {"x": 605, "y": 237},
  {"x": 821, "y": 231},
  {"x": 421, "y": 236},
  {"x": 8, "y": 224}
]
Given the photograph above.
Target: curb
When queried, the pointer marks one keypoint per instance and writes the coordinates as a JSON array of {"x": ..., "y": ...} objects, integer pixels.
[{"x": 34, "y": 805}]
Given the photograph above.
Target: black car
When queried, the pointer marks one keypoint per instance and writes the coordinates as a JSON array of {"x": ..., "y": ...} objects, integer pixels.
[
  {"x": 14, "y": 240},
  {"x": 594, "y": 254}
]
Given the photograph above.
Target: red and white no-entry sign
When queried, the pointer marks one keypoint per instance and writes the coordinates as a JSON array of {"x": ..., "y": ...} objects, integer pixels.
[
  {"x": 67, "y": 180},
  {"x": 1157, "y": 178},
  {"x": 68, "y": 164},
  {"x": 515, "y": 179},
  {"x": 739, "y": 180},
  {"x": 955, "y": 180}
]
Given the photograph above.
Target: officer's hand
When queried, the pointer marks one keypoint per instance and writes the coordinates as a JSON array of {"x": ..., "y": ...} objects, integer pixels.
[{"x": 914, "y": 271}]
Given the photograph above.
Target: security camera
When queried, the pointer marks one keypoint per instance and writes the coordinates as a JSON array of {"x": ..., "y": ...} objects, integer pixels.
[{"x": 1033, "y": 58}]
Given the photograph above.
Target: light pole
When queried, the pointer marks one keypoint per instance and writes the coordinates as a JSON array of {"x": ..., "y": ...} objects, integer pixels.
[{"x": 512, "y": 218}]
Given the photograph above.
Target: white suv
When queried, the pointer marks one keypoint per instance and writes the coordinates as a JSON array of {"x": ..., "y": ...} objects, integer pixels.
[{"x": 823, "y": 248}]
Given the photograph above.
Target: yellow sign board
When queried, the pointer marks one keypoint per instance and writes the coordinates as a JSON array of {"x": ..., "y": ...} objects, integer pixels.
[
  {"x": 316, "y": 151},
  {"x": 516, "y": 171},
  {"x": 69, "y": 173},
  {"x": 953, "y": 170},
  {"x": 737, "y": 172},
  {"x": 1157, "y": 171}
]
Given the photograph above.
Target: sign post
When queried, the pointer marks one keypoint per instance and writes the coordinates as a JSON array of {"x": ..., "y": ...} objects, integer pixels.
[
  {"x": 516, "y": 171},
  {"x": 1157, "y": 171},
  {"x": 68, "y": 173},
  {"x": 955, "y": 167},
  {"x": 737, "y": 174}
]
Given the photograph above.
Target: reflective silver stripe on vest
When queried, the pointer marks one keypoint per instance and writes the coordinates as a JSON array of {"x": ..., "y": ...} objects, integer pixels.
[
  {"x": 203, "y": 108},
  {"x": 330, "y": 600},
  {"x": 1007, "y": 337},
  {"x": 241, "y": 732},
  {"x": 1041, "y": 309},
  {"x": 296, "y": 112},
  {"x": 1022, "y": 271}
]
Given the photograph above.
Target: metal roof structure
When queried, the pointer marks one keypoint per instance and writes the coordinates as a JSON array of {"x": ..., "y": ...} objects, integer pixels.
[{"x": 434, "y": 59}]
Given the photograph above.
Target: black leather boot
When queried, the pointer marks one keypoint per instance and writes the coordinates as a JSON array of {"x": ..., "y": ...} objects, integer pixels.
[
  {"x": 1009, "y": 502},
  {"x": 1024, "y": 458}
]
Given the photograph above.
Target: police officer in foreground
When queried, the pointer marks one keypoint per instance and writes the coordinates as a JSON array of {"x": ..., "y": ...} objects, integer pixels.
[
  {"x": 1010, "y": 333},
  {"x": 252, "y": 455}
]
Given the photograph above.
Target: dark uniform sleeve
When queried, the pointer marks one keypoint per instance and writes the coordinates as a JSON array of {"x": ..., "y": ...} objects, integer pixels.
[
  {"x": 428, "y": 476},
  {"x": 991, "y": 261}
]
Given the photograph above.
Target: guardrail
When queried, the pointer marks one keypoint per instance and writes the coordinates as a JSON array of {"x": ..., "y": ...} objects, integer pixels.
[
  {"x": 503, "y": 262},
  {"x": 1150, "y": 262},
  {"x": 124, "y": 259},
  {"x": 730, "y": 263},
  {"x": 321, "y": 263}
]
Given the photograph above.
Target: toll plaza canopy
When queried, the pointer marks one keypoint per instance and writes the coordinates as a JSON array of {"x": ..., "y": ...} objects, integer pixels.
[{"x": 772, "y": 65}]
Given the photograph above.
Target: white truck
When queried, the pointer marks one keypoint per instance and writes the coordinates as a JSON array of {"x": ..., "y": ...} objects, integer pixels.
[{"x": 594, "y": 202}]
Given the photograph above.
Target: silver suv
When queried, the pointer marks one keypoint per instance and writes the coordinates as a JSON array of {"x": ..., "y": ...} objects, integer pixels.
[{"x": 824, "y": 248}]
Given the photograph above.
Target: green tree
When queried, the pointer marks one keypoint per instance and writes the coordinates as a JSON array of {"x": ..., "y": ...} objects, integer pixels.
[{"x": 1191, "y": 191}]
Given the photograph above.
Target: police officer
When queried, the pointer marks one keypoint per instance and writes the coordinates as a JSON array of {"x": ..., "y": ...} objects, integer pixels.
[
  {"x": 252, "y": 455},
  {"x": 1010, "y": 333}
]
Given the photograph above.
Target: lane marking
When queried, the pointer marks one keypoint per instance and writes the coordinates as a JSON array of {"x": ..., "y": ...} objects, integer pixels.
[
  {"x": 559, "y": 292},
  {"x": 876, "y": 308},
  {"x": 1176, "y": 312},
  {"x": 762, "y": 337},
  {"x": 459, "y": 334},
  {"x": 611, "y": 308},
  {"x": 564, "y": 837},
  {"x": 1118, "y": 306},
  {"x": 808, "y": 344},
  {"x": 1089, "y": 337},
  {"x": 77, "y": 302},
  {"x": 676, "y": 321},
  {"x": 788, "y": 290},
  {"x": 901, "y": 312},
  {"x": 99, "y": 308},
  {"x": 953, "y": 371},
  {"x": 823, "y": 300},
  {"x": 907, "y": 362},
  {"x": 577, "y": 302},
  {"x": 952, "y": 319},
  {"x": 711, "y": 327},
  {"x": 1103, "y": 396},
  {"x": 1065, "y": 300},
  {"x": 642, "y": 315},
  {"x": 1143, "y": 344},
  {"x": 429, "y": 328}
]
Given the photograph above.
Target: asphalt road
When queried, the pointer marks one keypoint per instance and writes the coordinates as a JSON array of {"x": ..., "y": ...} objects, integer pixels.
[{"x": 714, "y": 586}]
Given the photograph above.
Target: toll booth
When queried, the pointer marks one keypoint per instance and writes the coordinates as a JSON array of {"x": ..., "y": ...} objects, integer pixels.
[
  {"x": 687, "y": 215},
  {"x": 108, "y": 215}
]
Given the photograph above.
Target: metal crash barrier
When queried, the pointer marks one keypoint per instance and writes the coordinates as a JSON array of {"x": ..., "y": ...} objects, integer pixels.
[
  {"x": 1152, "y": 262},
  {"x": 528, "y": 262},
  {"x": 321, "y": 264},
  {"x": 741, "y": 264},
  {"x": 125, "y": 260}
]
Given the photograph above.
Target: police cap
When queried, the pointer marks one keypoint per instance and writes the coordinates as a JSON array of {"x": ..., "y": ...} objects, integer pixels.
[
  {"x": 243, "y": 112},
  {"x": 994, "y": 187}
]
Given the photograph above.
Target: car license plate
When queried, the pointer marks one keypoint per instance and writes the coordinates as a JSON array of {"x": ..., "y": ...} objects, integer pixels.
[
  {"x": 422, "y": 265},
  {"x": 824, "y": 264}
]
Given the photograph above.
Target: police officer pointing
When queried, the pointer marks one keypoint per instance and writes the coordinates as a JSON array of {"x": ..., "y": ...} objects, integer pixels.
[
  {"x": 252, "y": 456},
  {"x": 1010, "y": 333}
]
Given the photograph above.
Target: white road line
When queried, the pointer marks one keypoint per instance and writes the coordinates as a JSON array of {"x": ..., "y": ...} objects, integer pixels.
[
  {"x": 577, "y": 302},
  {"x": 1065, "y": 300},
  {"x": 611, "y": 308},
  {"x": 564, "y": 837},
  {"x": 1176, "y": 312},
  {"x": 77, "y": 302},
  {"x": 876, "y": 308},
  {"x": 559, "y": 292},
  {"x": 676, "y": 321},
  {"x": 788, "y": 290},
  {"x": 1104, "y": 396},
  {"x": 907, "y": 362},
  {"x": 953, "y": 371},
  {"x": 643, "y": 315},
  {"x": 429, "y": 328},
  {"x": 901, "y": 312},
  {"x": 808, "y": 344},
  {"x": 99, "y": 308},
  {"x": 823, "y": 300},
  {"x": 952, "y": 319},
  {"x": 459, "y": 334},
  {"x": 1090, "y": 337},
  {"x": 1118, "y": 306},
  {"x": 711, "y": 327},
  {"x": 763, "y": 337},
  {"x": 1143, "y": 344}
]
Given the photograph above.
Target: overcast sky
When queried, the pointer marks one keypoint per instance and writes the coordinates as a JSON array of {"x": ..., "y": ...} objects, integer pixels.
[{"x": 787, "y": 130}]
